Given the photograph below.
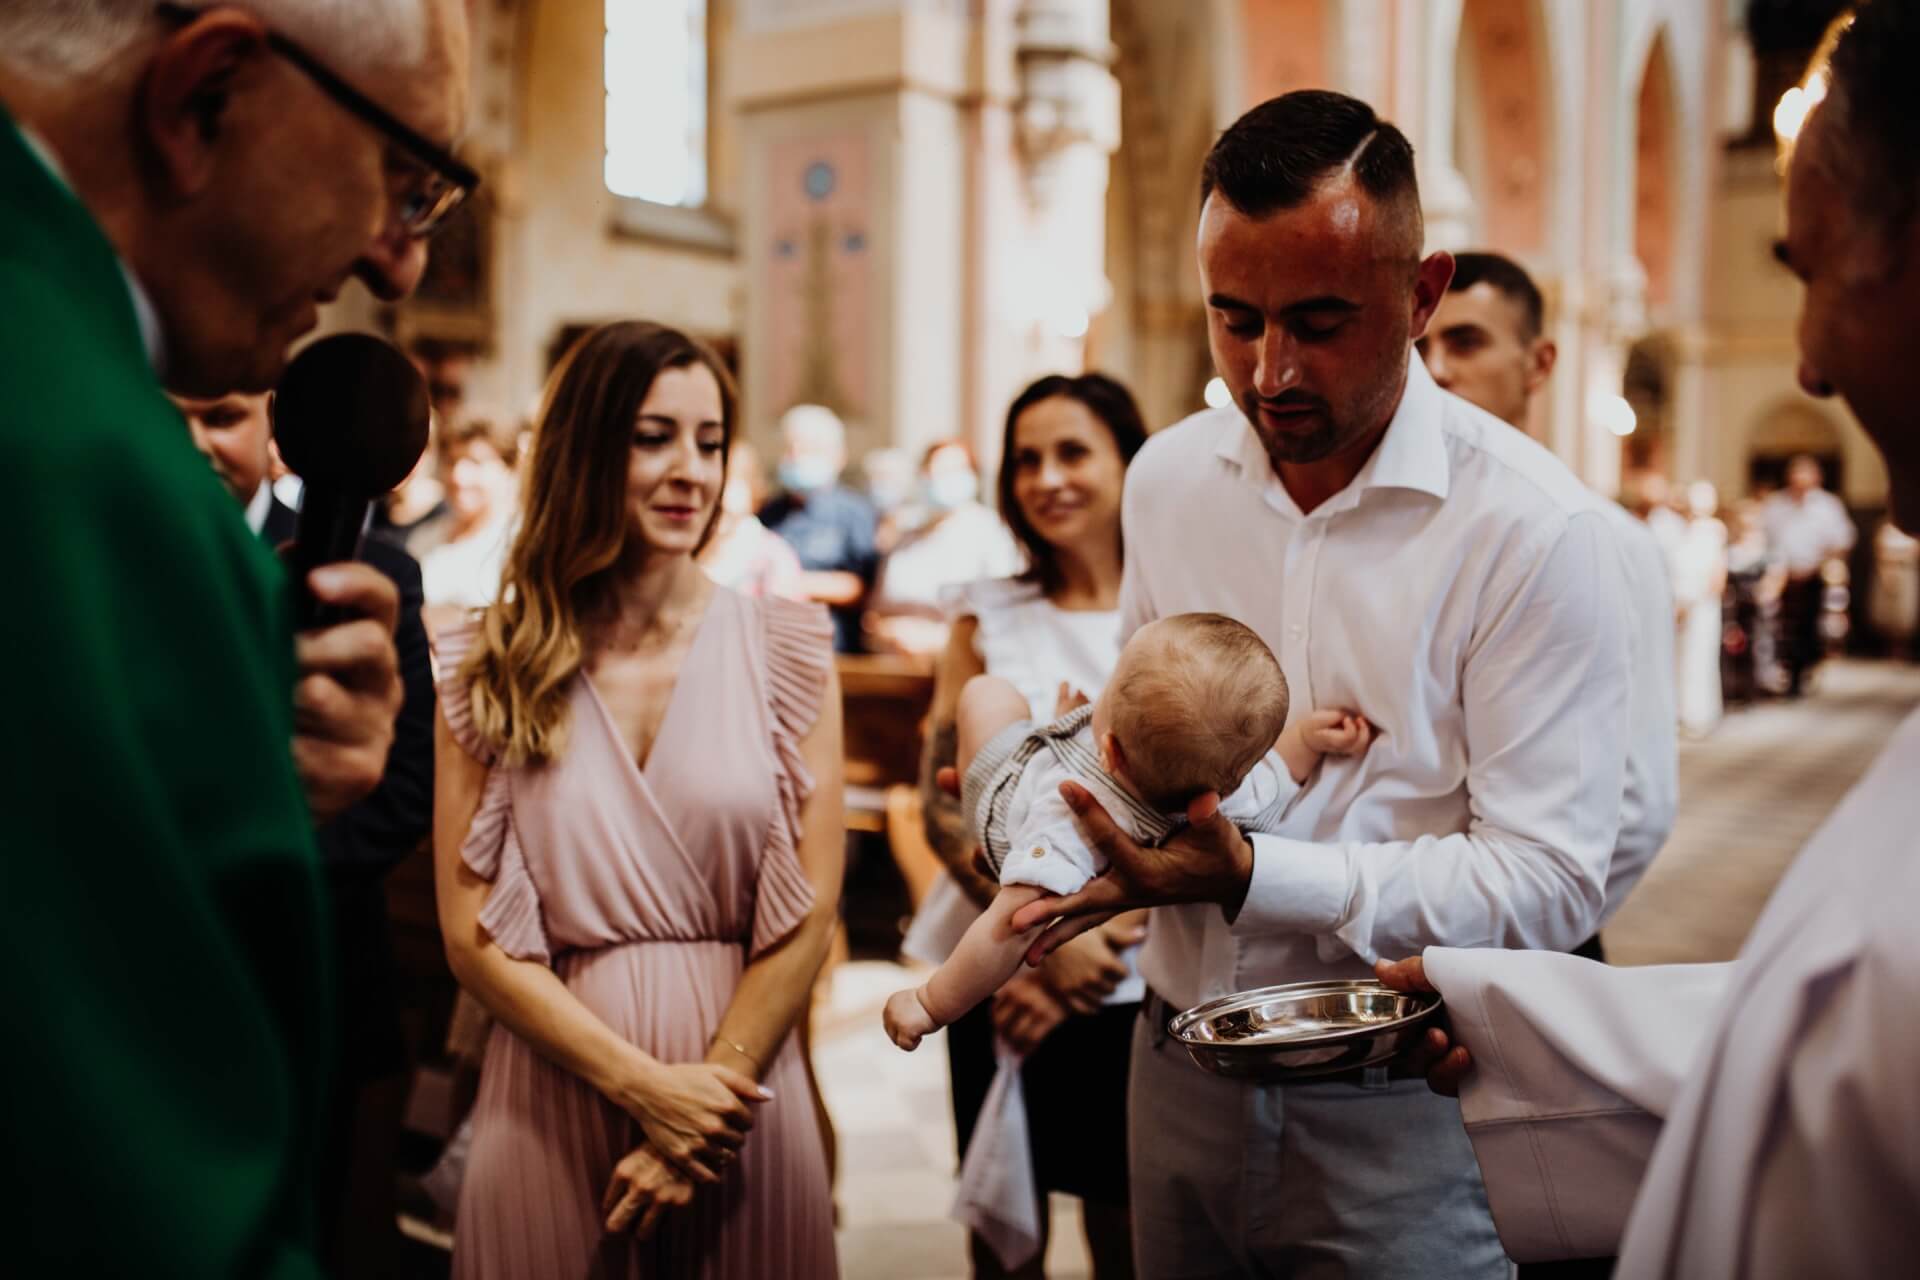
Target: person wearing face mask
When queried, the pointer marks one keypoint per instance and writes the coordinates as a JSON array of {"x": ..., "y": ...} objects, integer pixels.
[
  {"x": 829, "y": 525},
  {"x": 182, "y": 187},
  {"x": 957, "y": 540},
  {"x": 638, "y": 853}
]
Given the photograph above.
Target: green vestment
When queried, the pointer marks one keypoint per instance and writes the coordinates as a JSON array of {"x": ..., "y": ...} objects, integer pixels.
[{"x": 167, "y": 1035}]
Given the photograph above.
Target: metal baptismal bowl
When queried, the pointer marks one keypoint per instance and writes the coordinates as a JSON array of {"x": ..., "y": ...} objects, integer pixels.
[{"x": 1303, "y": 1029}]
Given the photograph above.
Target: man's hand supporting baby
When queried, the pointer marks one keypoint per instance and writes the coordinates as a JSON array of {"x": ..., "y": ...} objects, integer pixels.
[{"x": 1209, "y": 861}]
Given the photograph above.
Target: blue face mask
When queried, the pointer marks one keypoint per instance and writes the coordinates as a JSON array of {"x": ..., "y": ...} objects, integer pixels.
[
  {"x": 806, "y": 475},
  {"x": 949, "y": 489}
]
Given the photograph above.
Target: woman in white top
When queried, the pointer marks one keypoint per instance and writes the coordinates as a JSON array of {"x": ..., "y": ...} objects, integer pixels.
[
  {"x": 463, "y": 572},
  {"x": 1054, "y": 632}
]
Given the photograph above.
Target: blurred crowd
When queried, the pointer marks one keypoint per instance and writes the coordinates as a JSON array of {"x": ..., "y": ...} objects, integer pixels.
[{"x": 1763, "y": 587}]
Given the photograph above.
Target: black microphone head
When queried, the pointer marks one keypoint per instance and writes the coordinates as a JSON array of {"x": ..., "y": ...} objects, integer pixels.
[{"x": 351, "y": 414}]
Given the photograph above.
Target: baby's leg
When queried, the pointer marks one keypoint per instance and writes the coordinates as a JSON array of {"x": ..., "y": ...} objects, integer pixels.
[{"x": 988, "y": 704}]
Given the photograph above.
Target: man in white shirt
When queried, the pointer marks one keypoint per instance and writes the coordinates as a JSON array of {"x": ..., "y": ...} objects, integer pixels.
[
  {"x": 1758, "y": 1118},
  {"x": 1487, "y": 344},
  {"x": 1404, "y": 554},
  {"x": 1806, "y": 526}
]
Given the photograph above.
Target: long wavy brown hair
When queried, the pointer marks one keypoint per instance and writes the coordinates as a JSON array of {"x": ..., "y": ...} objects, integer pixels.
[{"x": 573, "y": 526}]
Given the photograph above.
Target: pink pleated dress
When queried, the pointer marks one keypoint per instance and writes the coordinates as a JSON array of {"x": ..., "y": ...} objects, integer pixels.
[{"x": 647, "y": 891}]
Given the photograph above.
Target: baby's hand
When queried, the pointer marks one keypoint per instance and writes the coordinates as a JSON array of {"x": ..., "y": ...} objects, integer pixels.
[
  {"x": 907, "y": 1020},
  {"x": 1336, "y": 733}
]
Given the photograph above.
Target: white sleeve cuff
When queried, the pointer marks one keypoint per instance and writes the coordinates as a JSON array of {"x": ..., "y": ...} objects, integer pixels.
[{"x": 1296, "y": 887}]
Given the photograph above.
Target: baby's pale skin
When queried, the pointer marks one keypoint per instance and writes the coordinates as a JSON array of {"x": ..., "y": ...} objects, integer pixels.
[{"x": 990, "y": 952}]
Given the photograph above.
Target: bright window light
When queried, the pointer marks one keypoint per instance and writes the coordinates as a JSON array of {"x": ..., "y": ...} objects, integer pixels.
[
  {"x": 657, "y": 100},
  {"x": 1217, "y": 396}
]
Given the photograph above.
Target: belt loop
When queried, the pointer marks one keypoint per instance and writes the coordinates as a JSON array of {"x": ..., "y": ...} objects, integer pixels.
[{"x": 1158, "y": 1014}]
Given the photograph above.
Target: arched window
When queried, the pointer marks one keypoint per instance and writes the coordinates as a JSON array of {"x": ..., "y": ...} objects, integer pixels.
[{"x": 656, "y": 59}]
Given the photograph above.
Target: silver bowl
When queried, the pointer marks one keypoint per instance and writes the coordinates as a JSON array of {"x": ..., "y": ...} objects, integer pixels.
[{"x": 1304, "y": 1029}]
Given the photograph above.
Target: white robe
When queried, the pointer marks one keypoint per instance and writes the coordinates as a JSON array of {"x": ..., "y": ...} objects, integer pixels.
[{"x": 1753, "y": 1119}]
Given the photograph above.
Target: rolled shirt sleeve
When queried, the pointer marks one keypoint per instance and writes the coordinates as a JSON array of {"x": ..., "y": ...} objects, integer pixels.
[{"x": 1545, "y": 693}]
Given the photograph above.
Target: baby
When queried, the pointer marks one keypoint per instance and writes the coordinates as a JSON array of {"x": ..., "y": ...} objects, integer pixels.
[{"x": 1196, "y": 703}]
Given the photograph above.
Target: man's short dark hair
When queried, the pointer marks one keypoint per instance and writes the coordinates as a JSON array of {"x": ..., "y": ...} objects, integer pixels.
[
  {"x": 1277, "y": 154},
  {"x": 1878, "y": 96},
  {"x": 1507, "y": 276}
]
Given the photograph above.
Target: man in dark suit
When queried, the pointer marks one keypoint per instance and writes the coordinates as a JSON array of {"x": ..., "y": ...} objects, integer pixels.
[{"x": 358, "y": 848}]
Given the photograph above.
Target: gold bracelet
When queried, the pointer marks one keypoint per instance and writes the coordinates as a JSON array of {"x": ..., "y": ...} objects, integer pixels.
[{"x": 736, "y": 1047}]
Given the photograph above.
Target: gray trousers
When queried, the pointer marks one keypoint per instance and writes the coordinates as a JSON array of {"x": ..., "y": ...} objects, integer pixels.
[{"x": 1316, "y": 1181}]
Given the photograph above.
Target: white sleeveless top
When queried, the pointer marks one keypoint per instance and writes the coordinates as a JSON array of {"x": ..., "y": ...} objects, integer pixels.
[{"x": 1026, "y": 639}]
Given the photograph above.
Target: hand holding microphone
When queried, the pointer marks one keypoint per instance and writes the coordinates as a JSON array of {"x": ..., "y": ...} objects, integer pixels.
[{"x": 350, "y": 418}]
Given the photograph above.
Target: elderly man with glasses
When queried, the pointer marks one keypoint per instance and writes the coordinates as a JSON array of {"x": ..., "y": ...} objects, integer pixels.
[{"x": 181, "y": 189}]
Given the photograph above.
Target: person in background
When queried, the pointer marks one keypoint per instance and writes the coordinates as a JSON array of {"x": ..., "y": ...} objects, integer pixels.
[
  {"x": 958, "y": 540},
  {"x": 357, "y": 848},
  {"x": 1652, "y": 502},
  {"x": 891, "y": 482},
  {"x": 416, "y": 515},
  {"x": 1699, "y": 587},
  {"x": 1806, "y": 527},
  {"x": 1752, "y": 608},
  {"x": 463, "y": 572},
  {"x": 638, "y": 846},
  {"x": 178, "y": 195},
  {"x": 830, "y": 526},
  {"x": 1054, "y": 631},
  {"x": 1487, "y": 344},
  {"x": 1893, "y": 602},
  {"x": 744, "y": 555}
]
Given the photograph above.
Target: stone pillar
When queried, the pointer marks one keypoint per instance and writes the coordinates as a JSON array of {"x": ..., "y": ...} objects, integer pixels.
[
  {"x": 1444, "y": 194},
  {"x": 923, "y": 222}
]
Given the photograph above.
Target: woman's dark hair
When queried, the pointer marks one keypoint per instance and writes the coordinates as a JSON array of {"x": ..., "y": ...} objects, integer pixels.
[{"x": 1110, "y": 402}]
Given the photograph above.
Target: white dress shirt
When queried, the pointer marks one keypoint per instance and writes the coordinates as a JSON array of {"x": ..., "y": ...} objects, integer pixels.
[
  {"x": 1464, "y": 593},
  {"x": 1803, "y": 532},
  {"x": 1758, "y": 1118},
  {"x": 1652, "y": 796}
]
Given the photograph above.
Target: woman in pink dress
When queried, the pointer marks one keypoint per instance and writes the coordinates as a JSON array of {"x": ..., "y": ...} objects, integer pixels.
[{"x": 638, "y": 848}]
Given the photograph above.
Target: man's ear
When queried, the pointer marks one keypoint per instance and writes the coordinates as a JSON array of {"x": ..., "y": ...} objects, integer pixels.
[
  {"x": 1540, "y": 361},
  {"x": 1430, "y": 282},
  {"x": 185, "y": 96}
]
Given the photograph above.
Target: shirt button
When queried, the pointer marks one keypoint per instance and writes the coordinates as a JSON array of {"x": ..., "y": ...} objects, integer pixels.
[{"x": 1039, "y": 851}]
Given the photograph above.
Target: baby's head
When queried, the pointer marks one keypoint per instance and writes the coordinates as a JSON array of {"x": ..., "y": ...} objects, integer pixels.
[{"x": 1193, "y": 704}]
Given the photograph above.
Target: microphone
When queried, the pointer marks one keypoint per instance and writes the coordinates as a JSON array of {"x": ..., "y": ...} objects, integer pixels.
[{"x": 350, "y": 417}]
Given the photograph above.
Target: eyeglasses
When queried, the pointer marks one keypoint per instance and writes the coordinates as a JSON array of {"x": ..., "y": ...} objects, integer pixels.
[{"x": 441, "y": 181}]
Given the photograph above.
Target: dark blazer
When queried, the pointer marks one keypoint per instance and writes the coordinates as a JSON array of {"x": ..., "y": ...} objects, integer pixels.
[{"x": 361, "y": 845}]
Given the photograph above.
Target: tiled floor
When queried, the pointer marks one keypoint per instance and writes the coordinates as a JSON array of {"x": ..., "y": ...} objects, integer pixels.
[{"x": 1750, "y": 795}]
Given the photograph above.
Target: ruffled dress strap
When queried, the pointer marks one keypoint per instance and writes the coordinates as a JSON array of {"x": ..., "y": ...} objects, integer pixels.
[
  {"x": 799, "y": 656},
  {"x": 511, "y": 915}
]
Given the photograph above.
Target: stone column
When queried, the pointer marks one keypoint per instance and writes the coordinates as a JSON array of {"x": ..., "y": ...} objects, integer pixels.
[{"x": 923, "y": 216}]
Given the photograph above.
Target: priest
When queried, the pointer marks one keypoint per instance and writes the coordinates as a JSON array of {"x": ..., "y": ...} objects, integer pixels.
[{"x": 180, "y": 189}]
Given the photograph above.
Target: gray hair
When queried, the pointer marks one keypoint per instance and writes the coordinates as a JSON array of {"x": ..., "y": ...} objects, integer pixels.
[{"x": 55, "y": 41}]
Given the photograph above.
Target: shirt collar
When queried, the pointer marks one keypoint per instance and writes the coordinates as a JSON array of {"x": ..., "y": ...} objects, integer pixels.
[
  {"x": 258, "y": 505},
  {"x": 152, "y": 336},
  {"x": 1412, "y": 455}
]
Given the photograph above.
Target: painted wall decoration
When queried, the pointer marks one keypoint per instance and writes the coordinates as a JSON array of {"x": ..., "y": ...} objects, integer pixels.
[{"x": 820, "y": 273}]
